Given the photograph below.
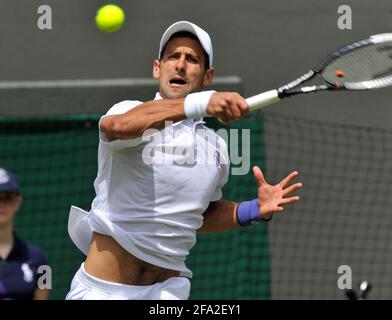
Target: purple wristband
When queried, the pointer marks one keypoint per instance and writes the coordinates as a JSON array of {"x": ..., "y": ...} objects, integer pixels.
[{"x": 248, "y": 213}]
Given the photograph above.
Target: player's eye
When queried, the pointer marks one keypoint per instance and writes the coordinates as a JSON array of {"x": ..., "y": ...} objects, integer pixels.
[
  {"x": 7, "y": 196},
  {"x": 193, "y": 59},
  {"x": 173, "y": 56}
]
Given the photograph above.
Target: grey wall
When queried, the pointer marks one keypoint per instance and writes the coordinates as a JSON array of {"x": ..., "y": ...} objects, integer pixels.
[{"x": 266, "y": 43}]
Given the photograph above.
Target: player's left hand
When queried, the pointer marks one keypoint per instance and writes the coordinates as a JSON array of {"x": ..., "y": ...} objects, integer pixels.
[{"x": 273, "y": 198}]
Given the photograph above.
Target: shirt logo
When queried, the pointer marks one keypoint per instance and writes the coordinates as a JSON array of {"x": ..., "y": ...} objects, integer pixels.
[
  {"x": 27, "y": 273},
  {"x": 4, "y": 178},
  {"x": 217, "y": 159}
]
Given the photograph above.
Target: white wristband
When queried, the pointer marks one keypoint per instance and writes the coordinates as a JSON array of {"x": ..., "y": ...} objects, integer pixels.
[{"x": 195, "y": 104}]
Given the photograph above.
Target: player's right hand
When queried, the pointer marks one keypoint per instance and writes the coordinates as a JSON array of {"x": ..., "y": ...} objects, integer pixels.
[{"x": 227, "y": 106}]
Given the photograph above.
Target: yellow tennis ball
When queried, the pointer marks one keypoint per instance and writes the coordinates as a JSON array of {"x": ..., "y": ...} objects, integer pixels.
[{"x": 110, "y": 18}]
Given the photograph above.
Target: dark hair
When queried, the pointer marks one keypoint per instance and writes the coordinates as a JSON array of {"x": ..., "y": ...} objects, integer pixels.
[{"x": 186, "y": 34}]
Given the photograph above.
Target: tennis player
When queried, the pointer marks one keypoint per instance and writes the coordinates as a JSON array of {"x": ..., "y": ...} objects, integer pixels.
[{"x": 150, "y": 205}]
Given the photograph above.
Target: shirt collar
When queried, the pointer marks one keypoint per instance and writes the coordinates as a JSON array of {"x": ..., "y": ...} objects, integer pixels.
[
  {"x": 158, "y": 96},
  {"x": 17, "y": 249}
]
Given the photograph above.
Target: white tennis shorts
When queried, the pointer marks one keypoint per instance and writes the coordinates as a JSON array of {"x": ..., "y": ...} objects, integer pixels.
[{"x": 87, "y": 287}]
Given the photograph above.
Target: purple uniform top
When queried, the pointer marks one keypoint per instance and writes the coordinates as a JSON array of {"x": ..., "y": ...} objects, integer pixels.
[{"x": 19, "y": 271}]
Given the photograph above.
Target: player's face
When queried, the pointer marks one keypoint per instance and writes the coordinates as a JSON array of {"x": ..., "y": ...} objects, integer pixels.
[
  {"x": 9, "y": 204},
  {"x": 181, "y": 69}
]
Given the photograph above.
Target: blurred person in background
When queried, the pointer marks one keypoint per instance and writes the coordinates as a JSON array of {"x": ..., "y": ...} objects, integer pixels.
[{"x": 19, "y": 259}]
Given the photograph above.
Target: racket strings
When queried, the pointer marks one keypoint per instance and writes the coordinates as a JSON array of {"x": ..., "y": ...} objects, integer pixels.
[{"x": 372, "y": 63}]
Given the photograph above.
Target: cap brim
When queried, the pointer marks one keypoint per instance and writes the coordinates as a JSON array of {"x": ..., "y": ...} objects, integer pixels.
[{"x": 8, "y": 189}]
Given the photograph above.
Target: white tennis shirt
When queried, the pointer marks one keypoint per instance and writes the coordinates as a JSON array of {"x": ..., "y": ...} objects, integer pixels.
[{"x": 151, "y": 191}]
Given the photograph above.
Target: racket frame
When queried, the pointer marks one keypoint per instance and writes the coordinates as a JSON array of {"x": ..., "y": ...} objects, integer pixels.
[{"x": 292, "y": 88}]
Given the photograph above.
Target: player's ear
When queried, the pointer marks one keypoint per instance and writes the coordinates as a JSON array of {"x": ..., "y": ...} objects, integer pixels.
[
  {"x": 208, "y": 77},
  {"x": 155, "y": 69}
]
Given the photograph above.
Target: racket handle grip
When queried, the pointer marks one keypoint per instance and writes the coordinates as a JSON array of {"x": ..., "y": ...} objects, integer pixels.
[{"x": 263, "y": 99}]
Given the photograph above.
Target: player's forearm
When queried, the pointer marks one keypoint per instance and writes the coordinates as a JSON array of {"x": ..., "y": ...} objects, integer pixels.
[
  {"x": 220, "y": 216},
  {"x": 149, "y": 115}
]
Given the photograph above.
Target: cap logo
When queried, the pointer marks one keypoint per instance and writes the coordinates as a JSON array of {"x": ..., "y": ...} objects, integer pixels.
[{"x": 4, "y": 177}]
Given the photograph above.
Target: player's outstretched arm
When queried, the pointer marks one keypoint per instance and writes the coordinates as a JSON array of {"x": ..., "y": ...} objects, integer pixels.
[
  {"x": 226, "y": 106},
  {"x": 273, "y": 198},
  {"x": 226, "y": 215},
  {"x": 220, "y": 216},
  {"x": 151, "y": 114}
]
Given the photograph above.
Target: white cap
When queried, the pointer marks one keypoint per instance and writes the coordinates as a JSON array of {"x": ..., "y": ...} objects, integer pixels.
[{"x": 179, "y": 26}]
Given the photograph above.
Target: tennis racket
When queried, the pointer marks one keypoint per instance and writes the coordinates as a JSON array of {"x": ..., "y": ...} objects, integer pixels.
[{"x": 362, "y": 65}]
